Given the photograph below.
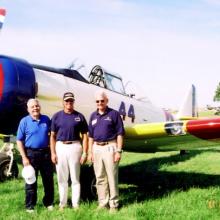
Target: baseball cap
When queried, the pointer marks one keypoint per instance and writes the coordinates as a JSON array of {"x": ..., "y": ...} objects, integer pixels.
[
  {"x": 28, "y": 173},
  {"x": 68, "y": 95}
]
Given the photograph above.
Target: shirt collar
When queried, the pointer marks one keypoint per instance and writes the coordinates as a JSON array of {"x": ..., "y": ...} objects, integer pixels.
[
  {"x": 106, "y": 111},
  {"x": 35, "y": 119}
]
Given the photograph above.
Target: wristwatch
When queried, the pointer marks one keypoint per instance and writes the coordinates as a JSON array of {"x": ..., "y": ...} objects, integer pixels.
[{"x": 119, "y": 150}]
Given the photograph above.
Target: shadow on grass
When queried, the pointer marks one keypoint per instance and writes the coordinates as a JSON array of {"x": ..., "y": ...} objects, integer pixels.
[{"x": 143, "y": 180}]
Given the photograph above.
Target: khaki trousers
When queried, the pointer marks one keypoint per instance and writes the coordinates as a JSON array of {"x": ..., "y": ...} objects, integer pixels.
[
  {"x": 106, "y": 172},
  {"x": 68, "y": 163}
]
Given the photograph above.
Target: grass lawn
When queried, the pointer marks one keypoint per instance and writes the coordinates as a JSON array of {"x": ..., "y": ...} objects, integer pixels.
[{"x": 161, "y": 185}]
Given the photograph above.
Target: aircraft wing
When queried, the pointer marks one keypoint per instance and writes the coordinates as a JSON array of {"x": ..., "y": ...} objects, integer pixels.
[{"x": 207, "y": 128}]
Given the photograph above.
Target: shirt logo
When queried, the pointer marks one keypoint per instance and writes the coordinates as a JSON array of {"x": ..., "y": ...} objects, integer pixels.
[
  {"x": 44, "y": 125},
  {"x": 94, "y": 121},
  {"x": 108, "y": 119},
  {"x": 77, "y": 119}
]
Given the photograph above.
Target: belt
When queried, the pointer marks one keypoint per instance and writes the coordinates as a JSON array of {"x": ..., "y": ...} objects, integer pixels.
[
  {"x": 68, "y": 142},
  {"x": 103, "y": 143},
  {"x": 38, "y": 149}
]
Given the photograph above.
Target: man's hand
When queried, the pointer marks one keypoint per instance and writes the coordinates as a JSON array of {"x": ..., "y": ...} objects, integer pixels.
[
  {"x": 90, "y": 157},
  {"x": 54, "y": 158},
  {"x": 117, "y": 157},
  {"x": 83, "y": 158},
  {"x": 25, "y": 161}
]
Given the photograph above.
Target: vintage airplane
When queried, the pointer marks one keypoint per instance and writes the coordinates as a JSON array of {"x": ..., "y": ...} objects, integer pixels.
[{"x": 144, "y": 122}]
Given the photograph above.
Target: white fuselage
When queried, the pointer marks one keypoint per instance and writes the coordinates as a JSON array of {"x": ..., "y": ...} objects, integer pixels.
[{"x": 52, "y": 86}]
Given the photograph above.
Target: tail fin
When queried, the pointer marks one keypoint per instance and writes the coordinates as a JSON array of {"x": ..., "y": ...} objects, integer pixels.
[
  {"x": 189, "y": 108},
  {"x": 2, "y": 17}
]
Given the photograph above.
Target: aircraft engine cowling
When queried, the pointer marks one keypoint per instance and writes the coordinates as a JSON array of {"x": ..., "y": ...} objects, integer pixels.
[{"x": 17, "y": 85}]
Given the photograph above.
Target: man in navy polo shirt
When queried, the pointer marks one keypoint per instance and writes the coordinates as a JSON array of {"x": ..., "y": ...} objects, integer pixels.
[
  {"x": 67, "y": 129},
  {"x": 33, "y": 144},
  {"x": 106, "y": 133}
]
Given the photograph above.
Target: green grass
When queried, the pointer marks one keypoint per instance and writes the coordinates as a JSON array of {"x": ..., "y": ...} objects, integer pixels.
[
  {"x": 207, "y": 113},
  {"x": 163, "y": 185}
]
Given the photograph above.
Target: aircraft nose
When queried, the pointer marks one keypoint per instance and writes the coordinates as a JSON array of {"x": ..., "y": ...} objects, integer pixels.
[
  {"x": 17, "y": 85},
  {"x": 204, "y": 128}
]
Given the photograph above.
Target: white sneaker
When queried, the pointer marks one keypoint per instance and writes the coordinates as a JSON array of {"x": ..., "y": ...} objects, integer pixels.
[
  {"x": 61, "y": 207},
  {"x": 76, "y": 207},
  {"x": 30, "y": 210},
  {"x": 50, "y": 208}
]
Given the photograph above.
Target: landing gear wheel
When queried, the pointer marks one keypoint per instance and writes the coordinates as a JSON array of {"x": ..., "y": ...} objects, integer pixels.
[{"x": 4, "y": 167}]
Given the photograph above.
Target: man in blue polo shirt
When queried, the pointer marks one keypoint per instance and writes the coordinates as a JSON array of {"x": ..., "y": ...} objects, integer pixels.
[
  {"x": 33, "y": 144},
  {"x": 106, "y": 133},
  {"x": 69, "y": 145}
]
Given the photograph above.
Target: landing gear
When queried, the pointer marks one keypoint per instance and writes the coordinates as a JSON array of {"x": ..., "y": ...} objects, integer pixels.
[
  {"x": 183, "y": 152},
  {"x": 88, "y": 180},
  {"x": 5, "y": 171},
  {"x": 8, "y": 166}
]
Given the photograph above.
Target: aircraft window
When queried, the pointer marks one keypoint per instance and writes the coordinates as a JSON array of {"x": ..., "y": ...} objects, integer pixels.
[{"x": 114, "y": 83}]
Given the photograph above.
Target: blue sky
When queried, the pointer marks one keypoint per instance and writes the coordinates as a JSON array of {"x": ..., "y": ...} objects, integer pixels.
[{"x": 162, "y": 46}]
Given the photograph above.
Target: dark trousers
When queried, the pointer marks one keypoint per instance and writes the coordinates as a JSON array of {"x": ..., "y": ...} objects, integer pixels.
[{"x": 41, "y": 162}]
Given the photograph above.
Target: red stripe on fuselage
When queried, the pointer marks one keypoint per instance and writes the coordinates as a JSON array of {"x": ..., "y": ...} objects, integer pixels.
[
  {"x": 1, "y": 81},
  {"x": 204, "y": 128},
  {"x": 2, "y": 11}
]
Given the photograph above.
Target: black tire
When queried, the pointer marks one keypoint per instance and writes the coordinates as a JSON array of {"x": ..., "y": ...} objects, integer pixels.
[
  {"x": 4, "y": 166},
  {"x": 88, "y": 183}
]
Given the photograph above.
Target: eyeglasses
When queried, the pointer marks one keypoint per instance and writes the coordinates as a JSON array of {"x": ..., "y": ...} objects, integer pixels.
[{"x": 100, "y": 101}]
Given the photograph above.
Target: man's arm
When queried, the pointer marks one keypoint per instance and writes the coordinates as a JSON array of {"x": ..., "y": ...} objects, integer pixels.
[
  {"x": 120, "y": 141},
  {"x": 90, "y": 157},
  {"x": 21, "y": 149},
  {"x": 53, "y": 147},
  {"x": 85, "y": 148}
]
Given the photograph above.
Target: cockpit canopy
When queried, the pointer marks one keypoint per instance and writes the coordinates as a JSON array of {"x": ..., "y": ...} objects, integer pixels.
[{"x": 100, "y": 77}]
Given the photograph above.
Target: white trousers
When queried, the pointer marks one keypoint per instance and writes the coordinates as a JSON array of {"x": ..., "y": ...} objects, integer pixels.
[{"x": 68, "y": 163}]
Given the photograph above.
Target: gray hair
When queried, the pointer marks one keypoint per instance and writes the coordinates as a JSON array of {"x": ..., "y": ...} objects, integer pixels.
[
  {"x": 101, "y": 93},
  {"x": 32, "y": 100}
]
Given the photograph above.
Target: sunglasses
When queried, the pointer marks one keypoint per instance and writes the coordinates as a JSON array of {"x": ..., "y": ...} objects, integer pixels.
[{"x": 100, "y": 101}]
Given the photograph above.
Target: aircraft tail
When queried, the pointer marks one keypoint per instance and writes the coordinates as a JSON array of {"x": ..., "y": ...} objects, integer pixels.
[
  {"x": 189, "y": 108},
  {"x": 2, "y": 17}
]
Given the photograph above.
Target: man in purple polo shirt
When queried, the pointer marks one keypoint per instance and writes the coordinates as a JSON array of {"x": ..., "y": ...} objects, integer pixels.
[
  {"x": 106, "y": 133},
  {"x": 67, "y": 152},
  {"x": 33, "y": 144}
]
